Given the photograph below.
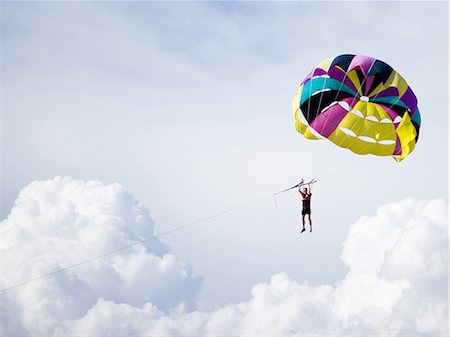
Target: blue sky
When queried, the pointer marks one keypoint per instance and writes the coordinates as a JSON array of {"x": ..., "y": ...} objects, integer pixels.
[{"x": 188, "y": 106}]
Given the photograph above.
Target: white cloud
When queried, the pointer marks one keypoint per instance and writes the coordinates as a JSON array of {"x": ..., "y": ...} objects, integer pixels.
[
  {"x": 59, "y": 222},
  {"x": 396, "y": 283}
]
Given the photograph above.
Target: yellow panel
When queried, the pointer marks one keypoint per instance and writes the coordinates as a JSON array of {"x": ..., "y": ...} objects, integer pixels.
[
  {"x": 299, "y": 91},
  {"x": 302, "y": 128},
  {"x": 367, "y": 128},
  {"x": 396, "y": 80},
  {"x": 352, "y": 122},
  {"x": 371, "y": 110},
  {"x": 352, "y": 143},
  {"x": 381, "y": 112},
  {"x": 325, "y": 64},
  {"x": 407, "y": 134},
  {"x": 383, "y": 150},
  {"x": 309, "y": 135},
  {"x": 341, "y": 139},
  {"x": 388, "y": 131},
  {"x": 377, "y": 130},
  {"x": 355, "y": 79},
  {"x": 359, "y": 146},
  {"x": 374, "y": 148},
  {"x": 295, "y": 104},
  {"x": 380, "y": 87}
]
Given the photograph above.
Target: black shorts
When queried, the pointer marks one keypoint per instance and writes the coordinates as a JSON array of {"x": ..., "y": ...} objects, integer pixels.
[{"x": 306, "y": 211}]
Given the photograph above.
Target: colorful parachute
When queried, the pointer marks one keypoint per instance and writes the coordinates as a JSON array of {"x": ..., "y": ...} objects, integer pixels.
[{"x": 359, "y": 103}]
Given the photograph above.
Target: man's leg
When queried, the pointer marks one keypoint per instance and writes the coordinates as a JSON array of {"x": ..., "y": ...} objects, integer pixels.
[
  {"x": 310, "y": 222},
  {"x": 303, "y": 222}
]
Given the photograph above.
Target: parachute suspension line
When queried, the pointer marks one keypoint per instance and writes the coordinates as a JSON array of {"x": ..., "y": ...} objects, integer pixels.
[
  {"x": 309, "y": 102},
  {"x": 353, "y": 99},
  {"x": 343, "y": 169},
  {"x": 138, "y": 242},
  {"x": 339, "y": 154},
  {"x": 345, "y": 166},
  {"x": 342, "y": 166},
  {"x": 321, "y": 96},
  {"x": 376, "y": 95},
  {"x": 320, "y": 101}
]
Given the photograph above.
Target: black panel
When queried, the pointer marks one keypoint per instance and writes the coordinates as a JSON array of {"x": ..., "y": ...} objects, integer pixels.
[
  {"x": 376, "y": 81},
  {"x": 360, "y": 75},
  {"x": 416, "y": 126},
  {"x": 342, "y": 61},
  {"x": 381, "y": 71},
  {"x": 317, "y": 102},
  {"x": 361, "y": 78},
  {"x": 397, "y": 108}
]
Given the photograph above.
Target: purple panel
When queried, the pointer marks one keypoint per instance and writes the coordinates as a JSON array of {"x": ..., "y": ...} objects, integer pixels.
[
  {"x": 409, "y": 99},
  {"x": 319, "y": 71},
  {"x": 315, "y": 72},
  {"x": 364, "y": 62},
  {"x": 326, "y": 122},
  {"x": 411, "y": 114},
  {"x": 398, "y": 147},
  {"x": 339, "y": 75},
  {"x": 368, "y": 84},
  {"x": 391, "y": 91}
]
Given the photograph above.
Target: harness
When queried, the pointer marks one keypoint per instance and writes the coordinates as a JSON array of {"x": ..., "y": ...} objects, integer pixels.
[{"x": 306, "y": 202}]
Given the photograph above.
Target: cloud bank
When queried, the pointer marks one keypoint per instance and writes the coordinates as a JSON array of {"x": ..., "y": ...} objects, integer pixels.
[
  {"x": 396, "y": 282},
  {"x": 63, "y": 221}
]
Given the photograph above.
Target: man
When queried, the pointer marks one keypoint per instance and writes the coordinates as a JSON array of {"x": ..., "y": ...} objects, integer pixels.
[{"x": 306, "y": 205}]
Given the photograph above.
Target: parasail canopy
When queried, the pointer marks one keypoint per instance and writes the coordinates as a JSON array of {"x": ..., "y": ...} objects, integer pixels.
[{"x": 359, "y": 103}]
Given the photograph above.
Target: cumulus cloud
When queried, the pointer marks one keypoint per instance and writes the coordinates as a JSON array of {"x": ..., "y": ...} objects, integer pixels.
[
  {"x": 63, "y": 221},
  {"x": 396, "y": 282}
]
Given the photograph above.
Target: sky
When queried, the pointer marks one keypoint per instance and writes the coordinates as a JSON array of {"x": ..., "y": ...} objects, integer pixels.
[{"x": 187, "y": 107}]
